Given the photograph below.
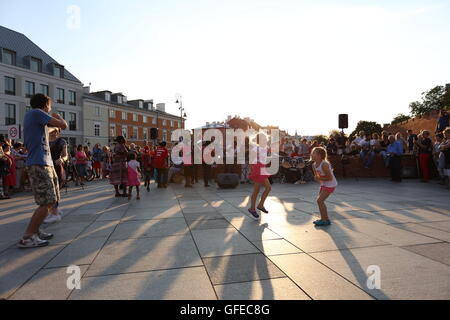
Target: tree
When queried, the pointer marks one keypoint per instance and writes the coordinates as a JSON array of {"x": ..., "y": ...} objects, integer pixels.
[
  {"x": 321, "y": 138},
  {"x": 334, "y": 132},
  {"x": 368, "y": 127},
  {"x": 437, "y": 98},
  {"x": 400, "y": 118}
]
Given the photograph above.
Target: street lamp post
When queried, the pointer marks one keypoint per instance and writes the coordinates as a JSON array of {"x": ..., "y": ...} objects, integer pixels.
[{"x": 180, "y": 102}]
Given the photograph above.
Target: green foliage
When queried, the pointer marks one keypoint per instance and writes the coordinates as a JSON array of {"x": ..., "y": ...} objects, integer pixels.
[
  {"x": 437, "y": 98},
  {"x": 368, "y": 127},
  {"x": 334, "y": 132},
  {"x": 400, "y": 118},
  {"x": 321, "y": 138}
]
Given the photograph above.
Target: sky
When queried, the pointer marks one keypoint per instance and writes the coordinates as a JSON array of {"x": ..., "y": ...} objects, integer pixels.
[{"x": 289, "y": 63}]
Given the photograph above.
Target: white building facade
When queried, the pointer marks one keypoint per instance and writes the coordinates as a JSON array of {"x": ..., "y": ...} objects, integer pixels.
[{"x": 25, "y": 69}]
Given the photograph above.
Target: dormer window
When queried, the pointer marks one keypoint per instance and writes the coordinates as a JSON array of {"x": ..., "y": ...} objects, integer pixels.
[
  {"x": 9, "y": 57},
  {"x": 36, "y": 65},
  {"x": 107, "y": 96},
  {"x": 58, "y": 71},
  {"x": 124, "y": 99},
  {"x": 141, "y": 105},
  {"x": 119, "y": 99}
]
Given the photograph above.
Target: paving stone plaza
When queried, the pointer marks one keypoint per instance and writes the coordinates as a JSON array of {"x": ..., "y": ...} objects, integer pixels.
[{"x": 200, "y": 243}]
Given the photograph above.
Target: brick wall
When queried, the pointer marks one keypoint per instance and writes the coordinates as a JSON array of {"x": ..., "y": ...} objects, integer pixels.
[
  {"x": 355, "y": 169},
  {"x": 425, "y": 122}
]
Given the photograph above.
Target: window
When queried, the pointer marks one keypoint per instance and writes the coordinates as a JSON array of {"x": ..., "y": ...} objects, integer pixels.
[
  {"x": 135, "y": 117},
  {"x": 125, "y": 131},
  {"x": 112, "y": 113},
  {"x": 58, "y": 71},
  {"x": 171, "y": 123},
  {"x": 60, "y": 96},
  {"x": 97, "y": 129},
  {"x": 135, "y": 133},
  {"x": 10, "y": 114},
  {"x": 72, "y": 121},
  {"x": 145, "y": 133},
  {"x": 124, "y": 116},
  {"x": 9, "y": 57},
  {"x": 62, "y": 114},
  {"x": 29, "y": 89},
  {"x": 107, "y": 96},
  {"x": 112, "y": 130},
  {"x": 153, "y": 120},
  {"x": 119, "y": 99},
  {"x": 164, "y": 137},
  {"x": 164, "y": 123},
  {"x": 97, "y": 111},
  {"x": 179, "y": 124},
  {"x": 36, "y": 65},
  {"x": 73, "y": 142},
  {"x": 141, "y": 105},
  {"x": 145, "y": 119},
  {"x": 72, "y": 98},
  {"x": 10, "y": 86},
  {"x": 124, "y": 99},
  {"x": 44, "y": 89}
]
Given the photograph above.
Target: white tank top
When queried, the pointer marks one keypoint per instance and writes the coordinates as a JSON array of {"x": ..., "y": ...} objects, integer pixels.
[{"x": 329, "y": 184}]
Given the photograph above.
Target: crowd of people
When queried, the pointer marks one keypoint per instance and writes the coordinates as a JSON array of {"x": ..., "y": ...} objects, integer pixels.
[
  {"x": 43, "y": 163},
  {"x": 390, "y": 147}
]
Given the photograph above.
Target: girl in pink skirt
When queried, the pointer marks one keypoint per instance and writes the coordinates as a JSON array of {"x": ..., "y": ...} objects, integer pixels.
[
  {"x": 133, "y": 176},
  {"x": 260, "y": 178}
]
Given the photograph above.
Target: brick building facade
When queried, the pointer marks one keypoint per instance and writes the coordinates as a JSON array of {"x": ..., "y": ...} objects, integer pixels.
[{"x": 134, "y": 119}]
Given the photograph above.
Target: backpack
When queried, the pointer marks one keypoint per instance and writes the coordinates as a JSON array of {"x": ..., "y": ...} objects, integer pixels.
[{"x": 4, "y": 167}]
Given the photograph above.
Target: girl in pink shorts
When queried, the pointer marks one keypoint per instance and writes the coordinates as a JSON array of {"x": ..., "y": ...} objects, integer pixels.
[{"x": 323, "y": 173}]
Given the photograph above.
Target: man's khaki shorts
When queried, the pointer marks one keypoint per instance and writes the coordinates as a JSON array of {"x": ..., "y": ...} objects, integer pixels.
[{"x": 44, "y": 183}]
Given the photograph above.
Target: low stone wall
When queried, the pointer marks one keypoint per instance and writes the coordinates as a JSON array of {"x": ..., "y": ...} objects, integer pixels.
[{"x": 355, "y": 168}]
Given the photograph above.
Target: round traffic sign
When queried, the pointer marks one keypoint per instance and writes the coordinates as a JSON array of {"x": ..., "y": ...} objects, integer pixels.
[{"x": 13, "y": 133}]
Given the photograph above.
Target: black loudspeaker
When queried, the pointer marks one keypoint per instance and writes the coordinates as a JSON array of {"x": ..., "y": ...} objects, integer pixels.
[
  {"x": 228, "y": 180},
  {"x": 154, "y": 133},
  {"x": 343, "y": 121}
]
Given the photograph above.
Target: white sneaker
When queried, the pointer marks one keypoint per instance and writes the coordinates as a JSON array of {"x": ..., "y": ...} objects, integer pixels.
[
  {"x": 52, "y": 218},
  {"x": 33, "y": 242}
]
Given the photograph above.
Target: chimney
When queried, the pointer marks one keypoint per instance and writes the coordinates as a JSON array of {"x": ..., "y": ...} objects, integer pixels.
[
  {"x": 161, "y": 107},
  {"x": 87, "y": 89}
]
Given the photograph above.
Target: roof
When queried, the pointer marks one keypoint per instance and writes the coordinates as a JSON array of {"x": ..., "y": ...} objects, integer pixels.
[
  {"x": 91, "y": 96},
  {"x": 24, "y": 47}
]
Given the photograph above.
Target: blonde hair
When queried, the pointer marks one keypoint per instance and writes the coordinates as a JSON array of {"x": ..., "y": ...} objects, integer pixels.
[
  {"x": 321, "y": 151},
  {"x": 447, "y": 131}
]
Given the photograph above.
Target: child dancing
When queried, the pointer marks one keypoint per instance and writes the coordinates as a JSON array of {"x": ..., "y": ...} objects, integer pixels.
[
  {"x": 260, "y": 178},
  {"x": 133, "y": 175},
  {"x": 323, "y": 173}
]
